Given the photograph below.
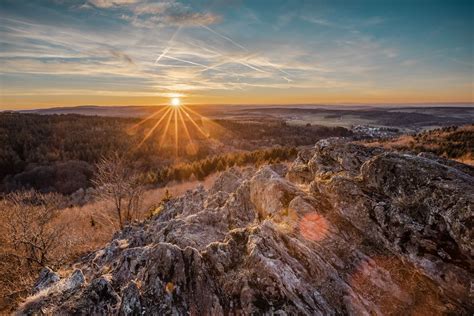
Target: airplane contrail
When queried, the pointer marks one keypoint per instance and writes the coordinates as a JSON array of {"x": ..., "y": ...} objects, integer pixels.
[
  {"x": 165, "y": 51},
  {"x": 252, "y": 67},
  {"x": 277, "y": 68},
  {"x": 214, "y": 66},
  {"x": 213, "y": 50},
  {"x": 224, "y": 37},
  {"x": 185, "y": 61},
  {"x": 162, "y": 54}
]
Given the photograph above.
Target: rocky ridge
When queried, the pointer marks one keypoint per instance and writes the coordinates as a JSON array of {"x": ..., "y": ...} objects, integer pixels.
[{"x": 345, "y": 229}]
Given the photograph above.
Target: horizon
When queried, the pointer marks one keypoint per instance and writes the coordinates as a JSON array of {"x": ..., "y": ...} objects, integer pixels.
[
  {"x": 124, "y": 52},
  {"x": 336, "y": 106}
]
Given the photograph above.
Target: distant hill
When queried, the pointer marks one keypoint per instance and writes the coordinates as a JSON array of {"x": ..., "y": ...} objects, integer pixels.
[
  {"x": 409, "y": 118},
  {"x": 117, "y": 111}
]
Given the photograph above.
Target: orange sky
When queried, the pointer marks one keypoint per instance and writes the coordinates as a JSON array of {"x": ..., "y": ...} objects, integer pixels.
[{"x": 275, "y": 97}]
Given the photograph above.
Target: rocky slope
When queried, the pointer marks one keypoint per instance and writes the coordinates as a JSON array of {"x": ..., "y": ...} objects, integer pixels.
[{"x": 345, "y": 230}]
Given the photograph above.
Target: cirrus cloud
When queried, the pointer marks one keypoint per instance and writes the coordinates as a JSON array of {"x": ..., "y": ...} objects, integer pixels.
[
  {"x": 110, "y": 3},
  {"x": 149, "y": 15}
]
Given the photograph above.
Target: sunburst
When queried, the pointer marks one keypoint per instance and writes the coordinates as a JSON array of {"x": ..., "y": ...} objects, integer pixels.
[
  {"x": 184, "y": 119},
  {"x": 176, "y": 102}
]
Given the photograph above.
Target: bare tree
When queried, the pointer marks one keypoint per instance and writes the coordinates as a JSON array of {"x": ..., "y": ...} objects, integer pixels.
[
  {"x": 30, "y": 238},
  {"x": 115, "y": 182}
]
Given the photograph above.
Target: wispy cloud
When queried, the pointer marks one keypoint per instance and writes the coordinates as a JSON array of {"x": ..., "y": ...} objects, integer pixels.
[
  {"x": 136, "y": 47},
  {"x": 110, "y": 3},
  {"x": 152, "y": 14}
]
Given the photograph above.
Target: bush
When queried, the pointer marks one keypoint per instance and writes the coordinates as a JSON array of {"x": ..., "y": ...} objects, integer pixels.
[{"x": 30, "y": 239}]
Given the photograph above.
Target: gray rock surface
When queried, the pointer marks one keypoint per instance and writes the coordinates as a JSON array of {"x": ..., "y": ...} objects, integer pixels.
[
  {"x": 348, "y": 230},
  {"x": 46, "y": 278}
]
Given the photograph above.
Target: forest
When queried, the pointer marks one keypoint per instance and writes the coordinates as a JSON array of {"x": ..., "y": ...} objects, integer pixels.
[{"x": 57, "y": 153}]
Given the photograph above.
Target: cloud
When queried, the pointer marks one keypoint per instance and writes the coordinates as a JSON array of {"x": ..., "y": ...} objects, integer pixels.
[
  {"x": 111, "y": 3},
  {"x": 165, "y": 13},
  {"x": 196, "y": 60},
  {"x": 192, "y": 19},
  {"x": 127, "y": 57},
  {"x": 156, "y": 8},
  {"x": 170, "y": 13}
]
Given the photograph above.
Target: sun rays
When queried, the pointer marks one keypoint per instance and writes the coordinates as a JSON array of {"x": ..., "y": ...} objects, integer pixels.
[{"x": 176, "y": 128}]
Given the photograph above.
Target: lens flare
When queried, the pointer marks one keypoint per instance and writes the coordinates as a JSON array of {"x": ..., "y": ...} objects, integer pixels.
[{"x": 314, "y": 227}]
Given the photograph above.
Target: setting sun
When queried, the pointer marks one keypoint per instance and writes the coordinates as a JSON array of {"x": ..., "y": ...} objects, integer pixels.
[{"x": 176, "y": 102}]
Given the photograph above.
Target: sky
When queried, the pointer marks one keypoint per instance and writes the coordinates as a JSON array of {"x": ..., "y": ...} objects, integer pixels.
[{"x": 139, "y": 52}]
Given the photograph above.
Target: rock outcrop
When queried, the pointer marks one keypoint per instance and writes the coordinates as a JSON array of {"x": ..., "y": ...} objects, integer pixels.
[{"x": 346, "y": 230}]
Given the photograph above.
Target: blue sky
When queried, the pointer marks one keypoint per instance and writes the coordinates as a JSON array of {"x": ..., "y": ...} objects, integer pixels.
[{"x": 116, "y": 52}]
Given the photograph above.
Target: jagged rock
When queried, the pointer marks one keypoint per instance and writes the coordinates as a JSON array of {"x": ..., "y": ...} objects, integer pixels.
[
  {"x": 359, "y": 231},
  {"x": 131, "y": 304},
  {"x": 452, "y": 163},
  {"x": 270, "y": 193},
  {"x": 228, "y": 182},
  {"x": 74, "y": 281},
  {"x": 40, "y": 302},
  {"x": 45, "y": 279},
  {"x": 299, "y": 172},
  {"x": 280, "y": 169},
  {"x": 338, "y": 156}
]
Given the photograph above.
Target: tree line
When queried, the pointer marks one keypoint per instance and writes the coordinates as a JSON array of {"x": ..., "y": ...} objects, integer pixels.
[{"x": 198, "y": 170}]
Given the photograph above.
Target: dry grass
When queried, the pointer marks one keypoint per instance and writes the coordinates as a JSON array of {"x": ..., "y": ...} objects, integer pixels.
[
  {"x": 88, "y": 228},
  {"x": 91, "y": 226},
  {"x": 453, "y": 143},
  {"x": 154, "y": 197},
  {"x": 467, "y": 159}
]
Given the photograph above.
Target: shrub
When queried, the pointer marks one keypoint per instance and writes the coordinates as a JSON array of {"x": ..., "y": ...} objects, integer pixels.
[{"x": 30, "y": 238}]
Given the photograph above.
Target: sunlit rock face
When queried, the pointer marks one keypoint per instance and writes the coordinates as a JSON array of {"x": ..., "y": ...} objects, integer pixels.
[{"x": 347, "y": 230}]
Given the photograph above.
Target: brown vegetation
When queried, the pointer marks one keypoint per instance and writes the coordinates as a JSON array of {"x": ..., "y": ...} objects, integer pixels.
[
  {"x": 115, "y": 182},
  {"x": 455, "y": 142},
  {"x": 31, "y": 238}
]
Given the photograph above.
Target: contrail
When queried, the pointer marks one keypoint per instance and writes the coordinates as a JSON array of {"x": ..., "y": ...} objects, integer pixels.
[
  {"x": 252, "y": 67},
  {"x": 277, "y": 68},
  {"x": 186, "y": 61},
  {"x": 162, "y": 54},
  {"x": 224, "y": 37},
  {"x": 169, "y": 45},
  {"x": 214, "y": 66},
  {"x": 213, "y": 50}
]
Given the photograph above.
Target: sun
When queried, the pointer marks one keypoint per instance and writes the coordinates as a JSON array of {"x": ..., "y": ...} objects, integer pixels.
[{"x": 176, "y": 102}]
